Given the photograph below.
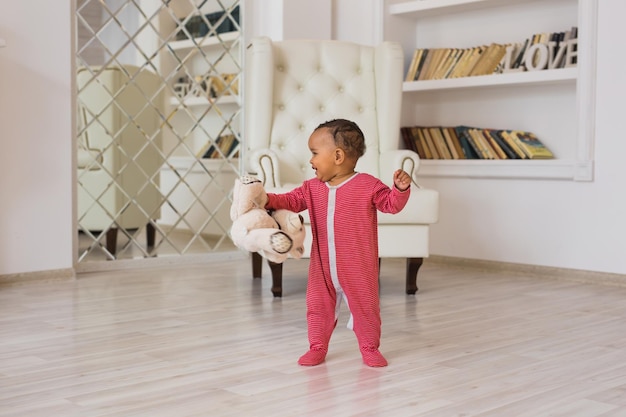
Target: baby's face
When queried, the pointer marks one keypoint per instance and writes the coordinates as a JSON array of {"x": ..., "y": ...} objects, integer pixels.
[{"x": 323, "y": 156}]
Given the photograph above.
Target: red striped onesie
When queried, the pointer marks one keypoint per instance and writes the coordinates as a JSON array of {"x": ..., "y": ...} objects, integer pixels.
[{"x": 345, "y": 249}]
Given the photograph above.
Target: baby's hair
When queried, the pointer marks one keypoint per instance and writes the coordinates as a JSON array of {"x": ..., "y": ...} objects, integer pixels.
[{"x": 347, "y": 135}]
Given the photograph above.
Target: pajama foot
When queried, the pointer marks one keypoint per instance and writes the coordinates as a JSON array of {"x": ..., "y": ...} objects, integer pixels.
[
  {"x": 373, "y": 358},
  {"x": 312, "y": 357}
]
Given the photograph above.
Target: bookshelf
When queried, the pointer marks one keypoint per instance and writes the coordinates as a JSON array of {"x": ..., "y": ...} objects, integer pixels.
[
  {"x": 563, "y": 75},
  {"x": 202, "y": 111},
  {"x": 556, "y": 104},
  {"x": 206, "y": 42},
  {"x": 199, "y": 111},
  {"x": 230, "y": 100}
]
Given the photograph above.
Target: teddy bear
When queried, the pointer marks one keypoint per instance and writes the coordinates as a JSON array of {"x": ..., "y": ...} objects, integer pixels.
[{"x": 275, "y": 235}]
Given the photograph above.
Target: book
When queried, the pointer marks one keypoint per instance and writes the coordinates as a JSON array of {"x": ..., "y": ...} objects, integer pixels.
[
  {"x": 440, "y": 143},
  {"x": 438, "y": 60},
  {"x": 484, "y": 148},
  {"x": 423, "y": 69},
  {"x": 531, "y": 145},
  {"x": 468, "y": 65},
  {"x": 470, "y": 150},
  {"x": 494, "y": 144},
  {"x": 420, "y": 141},
  {"x": 443, "y": 63},
  {"x": 410, "y": 74},
  {"x": 449, "y": 142},
  {"x": 495, "y": 135},
  {"x": 488, "y": 50},
  {"x": 490, "y": 59},
  {"x": 451, "y": 132},
  {"x": 420, "y": 64},
  {"x": 407, "y": 138},
  {"x": 453, "y": 63},
  {"x": 223, "y": 146},
  {"x": 508, "y": 139},
  {"x": 438, "y": 57},
  {"x": 460, "y": 63},
  {"x": 430, "y": 143}
]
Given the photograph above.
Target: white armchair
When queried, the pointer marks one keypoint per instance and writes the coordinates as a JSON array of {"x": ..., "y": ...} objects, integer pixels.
[
  {"x": 293, "y": 86},
  {"x": 118, "y": 157}
]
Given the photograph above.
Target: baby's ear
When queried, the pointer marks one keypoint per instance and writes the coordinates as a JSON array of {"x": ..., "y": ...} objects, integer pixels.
[{"x": 340, "y": 156}]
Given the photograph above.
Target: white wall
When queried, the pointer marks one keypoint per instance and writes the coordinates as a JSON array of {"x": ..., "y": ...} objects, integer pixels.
[
  {"x": 36, "y": 136},
  {"x": 357, "y": 21},
  {"x": 552, "y": 223},
  {"x": 289, "y": 19}
]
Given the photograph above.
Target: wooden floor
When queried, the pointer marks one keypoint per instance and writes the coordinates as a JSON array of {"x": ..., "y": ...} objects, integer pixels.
[{"x": 207, "y": 340}]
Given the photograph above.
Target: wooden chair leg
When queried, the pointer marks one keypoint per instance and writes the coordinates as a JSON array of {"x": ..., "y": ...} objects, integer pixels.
[
  {"x": 111, "y": 239},
  {"x": 277, "y": 273},
  {"x": 150, "y": 235},
  {"x": 277, "y": 278},
  {"x": 412, "y": 266},
  {"x": 257, "y": 265}
]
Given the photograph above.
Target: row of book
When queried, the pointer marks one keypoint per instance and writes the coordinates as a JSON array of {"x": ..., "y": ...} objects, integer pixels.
[
  {"x": 211, "y": 86},
  {"x": 214, "y": 23},
  {"x": 465, "y": 142},
  {"x": 223, "y": 146},
  {"x": 442, "y": 63}
]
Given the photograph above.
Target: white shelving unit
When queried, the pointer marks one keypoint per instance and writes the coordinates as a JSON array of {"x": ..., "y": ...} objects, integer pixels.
[
  {"x": 203, "y": 56},
  {"x": 563, "y": 75},
  {"x": 218, "y": 40},
  {"x": 230, "y": 100},
  {"x": 199, "y": 186},
  {"x": 557, "y": 104}
]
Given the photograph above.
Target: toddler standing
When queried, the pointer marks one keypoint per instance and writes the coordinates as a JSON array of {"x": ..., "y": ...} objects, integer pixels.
[{"x": 343, "y": 205}]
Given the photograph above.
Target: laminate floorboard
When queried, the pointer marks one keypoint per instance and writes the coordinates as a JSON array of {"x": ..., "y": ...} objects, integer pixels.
[{"x": 207, "y": 340}]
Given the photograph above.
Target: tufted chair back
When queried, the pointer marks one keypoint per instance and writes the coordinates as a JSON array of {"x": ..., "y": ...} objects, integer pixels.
[
  {"x": 296, "y": 85},
  {"x": 293, "y": 86}
]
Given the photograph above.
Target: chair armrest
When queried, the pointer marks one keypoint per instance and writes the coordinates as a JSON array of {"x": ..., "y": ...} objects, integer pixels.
[
  {"x": 265, "y": 164},
  {"x": 404, "y": 159}
]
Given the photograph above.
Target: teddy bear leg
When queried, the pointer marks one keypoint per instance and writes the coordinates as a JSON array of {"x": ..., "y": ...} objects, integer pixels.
[
  {"x": 272, "y": 244},
  {"x": 281, "y": 242}
]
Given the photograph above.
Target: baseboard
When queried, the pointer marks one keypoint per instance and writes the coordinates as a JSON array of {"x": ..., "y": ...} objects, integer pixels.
[
  {"x": 66, "y": 274},
  {"x": 156, "y": 262},
  {"x": 576, "y": 275}
]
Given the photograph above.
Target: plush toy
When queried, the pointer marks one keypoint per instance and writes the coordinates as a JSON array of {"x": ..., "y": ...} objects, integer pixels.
[{"x": 274, "y": 235}]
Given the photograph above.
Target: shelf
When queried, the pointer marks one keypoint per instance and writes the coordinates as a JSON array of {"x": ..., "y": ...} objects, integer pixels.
[
  {"x": 555, "y": 76},
  {"x": 554, "y": 169},
  {"x": 207, "y": 41},
  {"x": 425, "y": 8},
  {"x": 204, "y": 101}
]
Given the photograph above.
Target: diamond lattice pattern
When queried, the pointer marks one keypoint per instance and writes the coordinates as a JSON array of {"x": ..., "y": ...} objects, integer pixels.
[{"x": 158, "y": 126}]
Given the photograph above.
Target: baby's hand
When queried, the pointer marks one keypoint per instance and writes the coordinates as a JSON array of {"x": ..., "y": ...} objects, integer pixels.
[{"x": 401, "y": 180}]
